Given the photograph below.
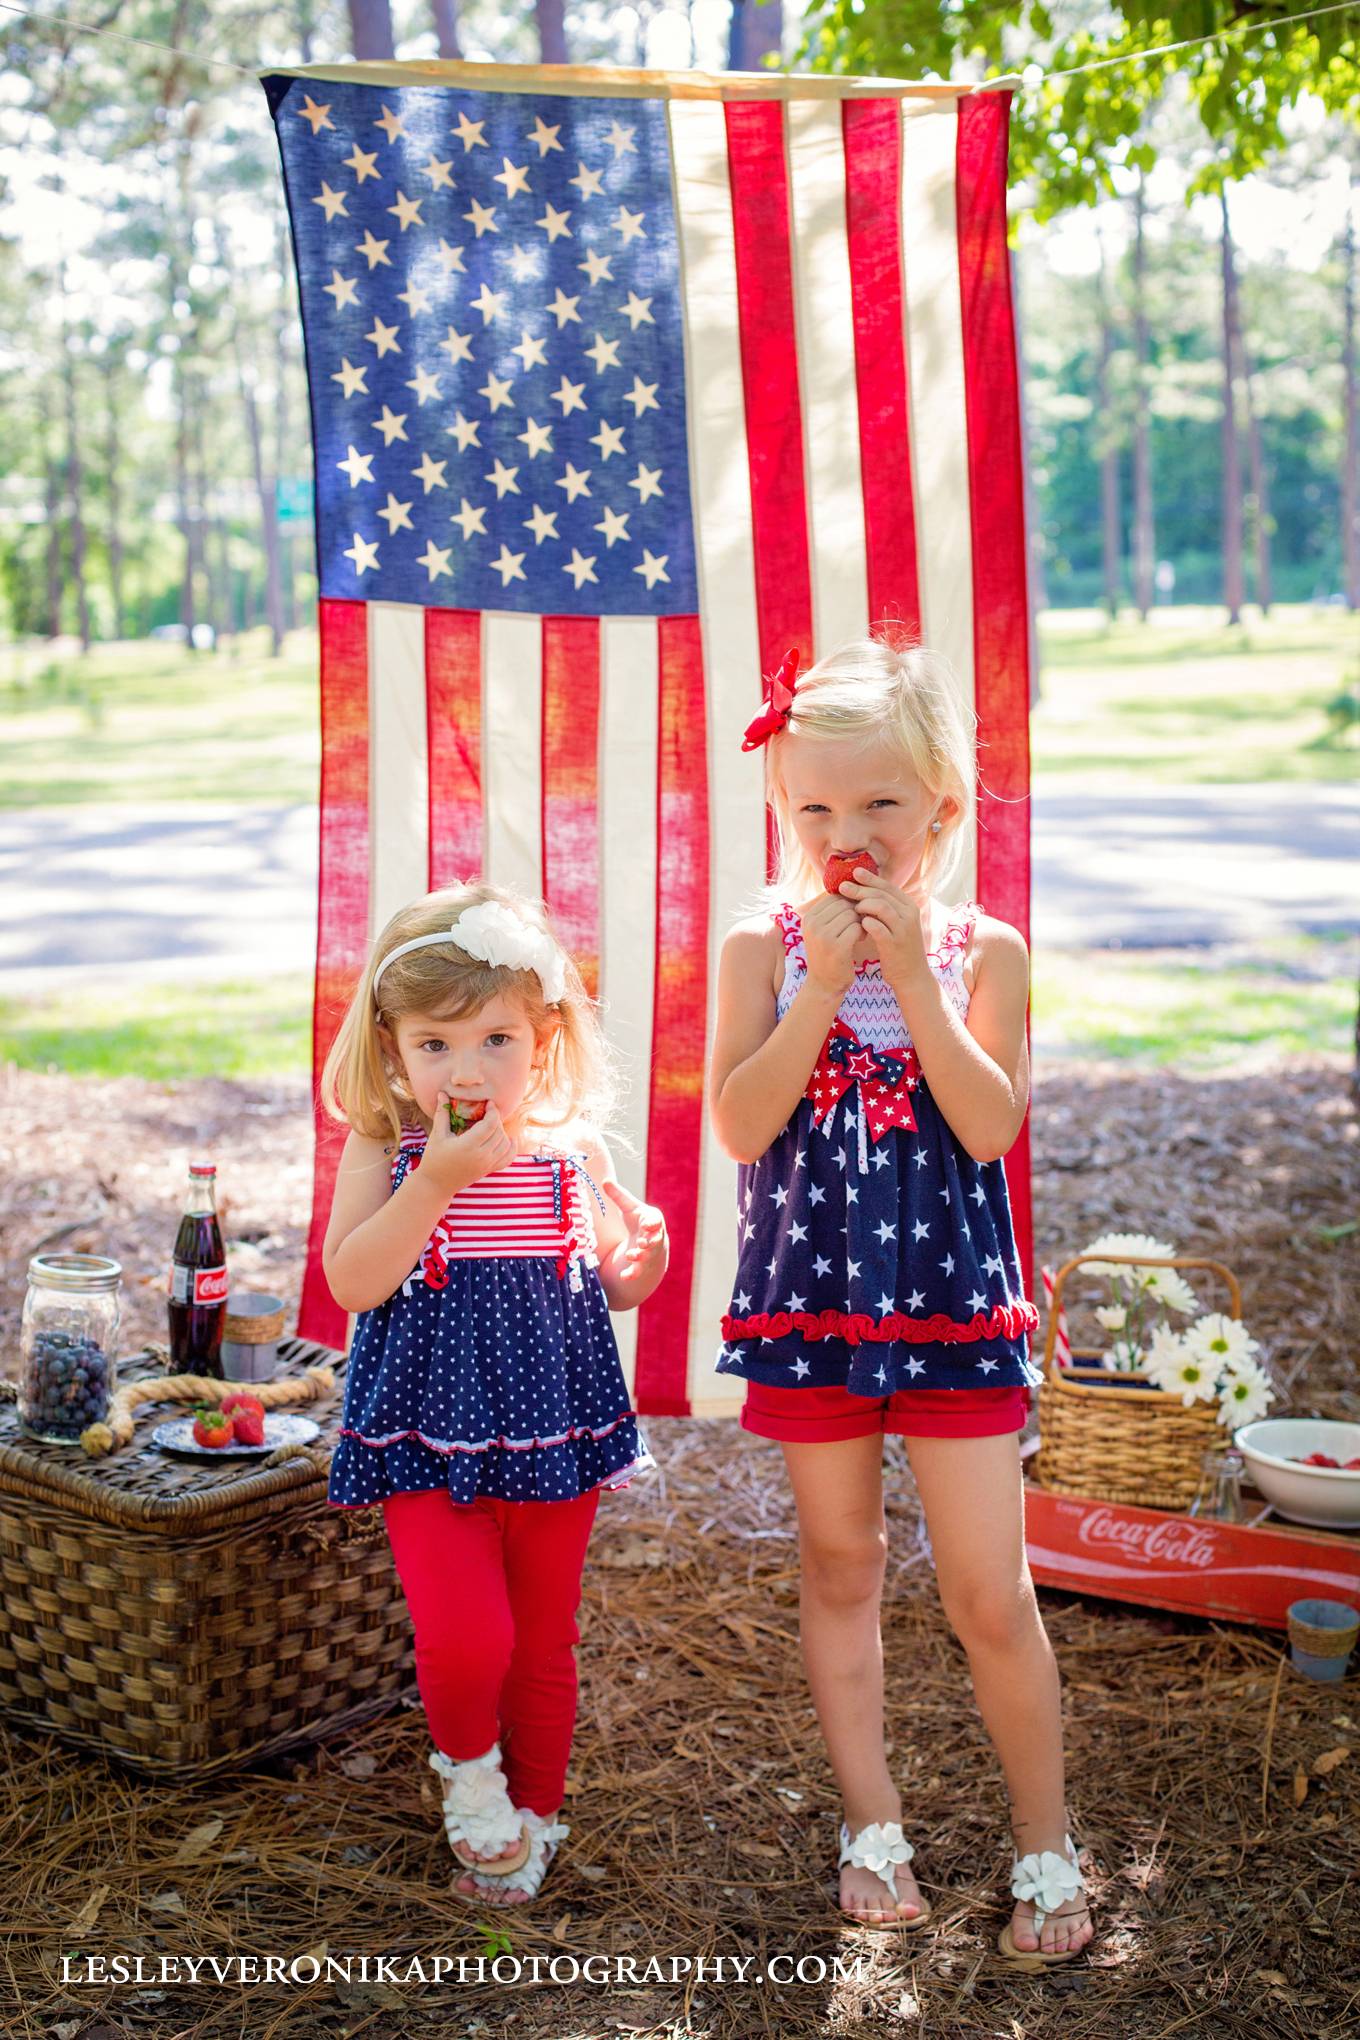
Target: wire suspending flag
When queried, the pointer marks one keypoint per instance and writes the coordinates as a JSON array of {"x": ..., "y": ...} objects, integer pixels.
[{"x": 622, "y": 384}]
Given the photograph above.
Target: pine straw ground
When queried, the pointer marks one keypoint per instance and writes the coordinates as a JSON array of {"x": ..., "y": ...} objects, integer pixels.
[{"x": 1212, "y": 1787}]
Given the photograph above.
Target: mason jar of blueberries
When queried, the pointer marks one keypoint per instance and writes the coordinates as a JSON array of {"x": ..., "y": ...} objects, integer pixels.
[{"x": 67, "y": 1344}]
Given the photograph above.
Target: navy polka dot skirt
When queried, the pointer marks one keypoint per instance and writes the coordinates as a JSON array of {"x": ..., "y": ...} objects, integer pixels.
[{"x": 491, "y": 1372}]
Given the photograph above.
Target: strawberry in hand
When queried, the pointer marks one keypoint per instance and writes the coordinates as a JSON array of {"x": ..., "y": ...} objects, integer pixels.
[
  {"x": 840, "y": 866},
  {"x": 465, "y": 1112}
]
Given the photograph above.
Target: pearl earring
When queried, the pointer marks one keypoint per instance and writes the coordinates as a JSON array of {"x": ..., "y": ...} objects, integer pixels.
[{"x": 935, "y": 828}]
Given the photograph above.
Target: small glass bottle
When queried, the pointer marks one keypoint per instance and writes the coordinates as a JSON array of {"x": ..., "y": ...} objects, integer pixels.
[
  {"x": 67, "y": 1344},
  {"x": 1219, "y": 1494},
  {"x": 198, "y": 1279}
]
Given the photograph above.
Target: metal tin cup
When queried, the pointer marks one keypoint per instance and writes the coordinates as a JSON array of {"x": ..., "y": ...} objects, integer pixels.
[
  {"x": 250, "y": 1336},
  {"x": 1321, "y": 1637}
]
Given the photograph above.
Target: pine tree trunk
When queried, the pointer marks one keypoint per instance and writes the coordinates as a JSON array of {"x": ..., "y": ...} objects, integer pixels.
[
  {"x": 52, "y": 605},
  {"x": 1144, "y": 536},
  {"x": 1110, "y": 534},
  {"x": 114, "y": 536},
  {"x": 282, "y": 442},
  {"x": 206, "y": 524},
  {"x": 370, "y": 28},
  {"x": 550, "y": 16},
  {"x": 269, "y": 520},
  {"x": 1234, "y": 577},
  {"x": 188, "y": 614},
  {"x": 1258, "y": 500},
  {"x": 1350, "y": 480},
  {"x": 1036, "y": 587},
  {"x": 75, "y": 479},
  {"x": 756, "y": 32},
  {"x": 446, "y": 27}
]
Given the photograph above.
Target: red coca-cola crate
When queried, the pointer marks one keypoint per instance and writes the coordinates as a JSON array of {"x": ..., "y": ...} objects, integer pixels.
[{"x": 1245, "y": 1572}]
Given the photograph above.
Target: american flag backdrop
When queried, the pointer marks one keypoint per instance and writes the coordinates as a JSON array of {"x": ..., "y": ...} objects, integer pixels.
[{"x": 622, "y": 384}]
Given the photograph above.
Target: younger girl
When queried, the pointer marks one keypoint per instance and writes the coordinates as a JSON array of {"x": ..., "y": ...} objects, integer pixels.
[
  {"x": 870, "y": 1071},
  {"x": 485, "y": 1406}
]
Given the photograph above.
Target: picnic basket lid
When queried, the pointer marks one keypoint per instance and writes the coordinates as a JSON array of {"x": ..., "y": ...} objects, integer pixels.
[{"x": 140, "y": 1486}]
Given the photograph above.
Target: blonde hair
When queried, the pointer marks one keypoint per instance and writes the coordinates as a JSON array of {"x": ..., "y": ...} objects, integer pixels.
[
  {"x": 884, "y": 687},
  {"x": 362, "y": 1086}
]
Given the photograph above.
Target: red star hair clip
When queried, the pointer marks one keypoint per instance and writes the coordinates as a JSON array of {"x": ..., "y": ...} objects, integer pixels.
[{"x": 779, "y": 693}]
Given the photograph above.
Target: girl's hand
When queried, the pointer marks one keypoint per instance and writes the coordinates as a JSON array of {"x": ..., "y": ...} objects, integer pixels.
[
  {"x": 897, "y": 920},
  {"x": 638, "y": 1262},
  {"x": 457, "y": 1159},
  {"x": 831, "y": 931}
]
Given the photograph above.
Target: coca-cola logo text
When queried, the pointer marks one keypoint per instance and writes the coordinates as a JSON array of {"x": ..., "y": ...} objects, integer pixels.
[{"x": 1170, "y": 1542}]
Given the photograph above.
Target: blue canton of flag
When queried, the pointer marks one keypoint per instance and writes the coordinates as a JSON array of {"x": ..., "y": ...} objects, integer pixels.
[{"x": 491, "y": 307}]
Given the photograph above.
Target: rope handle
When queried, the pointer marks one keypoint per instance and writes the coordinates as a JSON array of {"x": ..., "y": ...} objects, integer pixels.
[{"x": 1219, "y": 1268}]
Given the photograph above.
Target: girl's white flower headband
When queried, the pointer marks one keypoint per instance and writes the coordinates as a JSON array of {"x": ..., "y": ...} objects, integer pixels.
[{"x": 495, "y": 934}]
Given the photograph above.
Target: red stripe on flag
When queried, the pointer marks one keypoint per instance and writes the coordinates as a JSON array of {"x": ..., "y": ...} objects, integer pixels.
[
  {"x": 680, "y": 1004},
  {"x": 769, "y": 366},
  {"x": 342, "y": 916},
  {"x": 453, "y": 710},
  {"x": 997, "y": 506},
  {"x": 873, "y": 218},
  {"x": 571, "y": 786}
]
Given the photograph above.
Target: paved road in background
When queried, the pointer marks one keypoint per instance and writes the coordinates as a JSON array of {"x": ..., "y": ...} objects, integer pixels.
[{"x": 107, "y": 893}]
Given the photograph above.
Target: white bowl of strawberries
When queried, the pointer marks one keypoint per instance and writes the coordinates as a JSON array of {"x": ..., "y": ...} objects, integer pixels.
[{"x": 1307, "y": 1467}]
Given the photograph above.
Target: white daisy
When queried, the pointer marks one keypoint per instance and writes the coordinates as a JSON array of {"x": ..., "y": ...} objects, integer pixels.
[
  {"x": 1124, "y": 1357},
  {"x": 1245, "y": 1395},
  {"x": 1191, "y": 1380},
  {"x": 1137, "y": 1246},
  {"x": 1221, "y": 1339},
  {"x": 1113, "y": 1317},
  {"x": 1162, "y": 1357},
  {"x": 1169, "y": 1287}
]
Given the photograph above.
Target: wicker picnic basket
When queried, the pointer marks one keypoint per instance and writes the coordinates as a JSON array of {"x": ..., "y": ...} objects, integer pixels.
[
  {"x": 1114, "y": 1441},
  {"x": 182, "y": 1617}
]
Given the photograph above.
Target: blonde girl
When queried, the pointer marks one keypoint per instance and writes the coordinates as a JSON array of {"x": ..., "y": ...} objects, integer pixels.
[
  {"x": 870, "y": 1071},
  {"x": 485, "y": 1407}
]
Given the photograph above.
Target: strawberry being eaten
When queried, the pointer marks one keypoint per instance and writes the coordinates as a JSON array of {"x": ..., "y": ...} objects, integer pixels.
[
  {"x": 839, "y": 868},
  {"x": 465, "y": 1112}
]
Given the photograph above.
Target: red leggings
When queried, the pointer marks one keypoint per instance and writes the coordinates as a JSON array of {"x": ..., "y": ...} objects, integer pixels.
[{"x": 493, "y": 1588}]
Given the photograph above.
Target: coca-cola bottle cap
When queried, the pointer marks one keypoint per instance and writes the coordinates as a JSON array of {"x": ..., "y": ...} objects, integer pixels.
[{"x": 202, "y": 1168}]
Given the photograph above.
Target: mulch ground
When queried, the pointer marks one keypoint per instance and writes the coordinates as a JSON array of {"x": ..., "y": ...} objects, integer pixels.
[{"x": 1213, "y": 1789}]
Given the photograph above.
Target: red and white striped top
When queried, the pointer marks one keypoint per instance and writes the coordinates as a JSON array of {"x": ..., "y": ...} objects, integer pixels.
[{"x": 515, "y": 1211}]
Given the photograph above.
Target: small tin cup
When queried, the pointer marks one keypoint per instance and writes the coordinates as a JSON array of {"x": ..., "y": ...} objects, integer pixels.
[
  {"x": 250, "y": 1336},
  {"x": 1321, "y": 1637}
]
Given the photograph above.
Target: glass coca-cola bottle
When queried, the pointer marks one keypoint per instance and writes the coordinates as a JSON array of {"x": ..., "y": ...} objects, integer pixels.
[{"x": 198, "y": 1279}]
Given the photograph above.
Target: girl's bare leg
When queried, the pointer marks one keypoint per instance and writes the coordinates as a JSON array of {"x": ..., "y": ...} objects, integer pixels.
[
  {"x": 974, "y": 1507},
  {"x": 838, "y": 1487}
]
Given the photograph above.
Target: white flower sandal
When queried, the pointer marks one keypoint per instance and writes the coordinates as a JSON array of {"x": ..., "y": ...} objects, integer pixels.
[
  {"x": 880, "y": 1848},
  {"x": 545, "y": 1833},
  {"x": 478, "y": 1814},
  {"x": 1047, "y": 1880}
]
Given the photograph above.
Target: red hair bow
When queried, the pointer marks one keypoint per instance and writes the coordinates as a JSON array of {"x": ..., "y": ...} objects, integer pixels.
[{"x": 779, "y": 693}]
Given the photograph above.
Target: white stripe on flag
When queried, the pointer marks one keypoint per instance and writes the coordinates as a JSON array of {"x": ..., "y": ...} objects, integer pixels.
[
  {"x": 628, "y": 797},
  {"x": 512, "y": 744},
  {"x": 826, "y": 373},
  {"x": 721, "y": 492},
  {"x": 939, "y": 418},
  {"x": 398, "y": 760}
]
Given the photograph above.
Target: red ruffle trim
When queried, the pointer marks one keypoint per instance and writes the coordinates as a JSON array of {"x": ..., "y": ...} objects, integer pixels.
[{"x": 1003, "y": 1321}]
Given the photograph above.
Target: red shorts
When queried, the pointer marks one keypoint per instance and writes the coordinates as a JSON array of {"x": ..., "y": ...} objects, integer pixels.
[{"x": 814, "y": 1415}]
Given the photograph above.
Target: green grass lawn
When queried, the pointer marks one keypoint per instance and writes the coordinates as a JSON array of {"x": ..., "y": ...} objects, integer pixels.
[
  {"x": 1183, "y": 699},
  {"x": 152, "y": 722},
  {"x": 1180, "y": 699},
  {"x": 1162, "y": 1009}
]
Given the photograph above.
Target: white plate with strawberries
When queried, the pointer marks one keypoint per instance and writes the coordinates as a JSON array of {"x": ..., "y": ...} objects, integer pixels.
[{"x": 237, "y": 1428}]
